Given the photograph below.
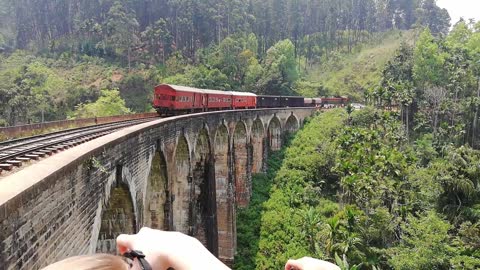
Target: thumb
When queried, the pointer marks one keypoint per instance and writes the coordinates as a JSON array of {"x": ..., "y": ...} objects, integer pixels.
[
  {"x": 125, "y": 243},
  {"x": 293, "y": 264}
]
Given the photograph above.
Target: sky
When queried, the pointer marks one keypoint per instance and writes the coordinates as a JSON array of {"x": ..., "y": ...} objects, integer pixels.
[{"x": 461, "y": 8}]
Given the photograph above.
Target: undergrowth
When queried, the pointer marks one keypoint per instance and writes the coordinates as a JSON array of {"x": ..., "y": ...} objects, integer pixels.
[{"x": 249, "y": 218}]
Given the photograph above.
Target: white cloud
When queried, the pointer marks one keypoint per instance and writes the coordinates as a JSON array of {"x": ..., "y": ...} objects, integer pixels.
[{"x": 468, "y": 9}]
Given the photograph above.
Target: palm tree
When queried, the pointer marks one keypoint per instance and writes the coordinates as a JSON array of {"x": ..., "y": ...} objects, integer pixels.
[
  {"x": 330, "y": 234},
  {"x": 459, "y": 177},
  {"x": 310, "y": 226}
]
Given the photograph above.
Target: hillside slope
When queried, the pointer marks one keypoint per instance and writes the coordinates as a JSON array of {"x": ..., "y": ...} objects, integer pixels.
[{"x": 351, "y": 74}]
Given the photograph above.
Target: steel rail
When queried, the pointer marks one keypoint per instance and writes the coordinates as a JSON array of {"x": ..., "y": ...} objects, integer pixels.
[
  {"x": 16, "y": 142},
  {"x": 48, "y": 146}
]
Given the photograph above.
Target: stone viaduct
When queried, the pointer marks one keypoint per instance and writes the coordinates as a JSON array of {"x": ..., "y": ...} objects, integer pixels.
[{"x": 186, "y": 173}]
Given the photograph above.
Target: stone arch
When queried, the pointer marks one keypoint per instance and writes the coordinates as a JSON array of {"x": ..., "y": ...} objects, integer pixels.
[
  {"x": 155, "y": 210},
  {"x": 241, "y": 175},
  {"x": 274, "y": 134},
  {"x": 181, "y": 188},
  {"x": 118, "y": 215},
  {"x": 257, "y": 135},
  {"x": 204, "y": 204},
  {"x": 292, "y": 124},
  {"x": 224, "y": 195}
]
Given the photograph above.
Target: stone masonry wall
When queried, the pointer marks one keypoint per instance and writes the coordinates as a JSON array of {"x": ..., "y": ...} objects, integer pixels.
[{"x": 54, "y": 208}]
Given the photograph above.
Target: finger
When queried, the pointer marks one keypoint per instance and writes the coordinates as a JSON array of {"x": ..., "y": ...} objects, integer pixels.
[
  {"x": 293, "y": 264},
  {"x": 145, "y": 230},
  {"x": 125, "y": 243}
]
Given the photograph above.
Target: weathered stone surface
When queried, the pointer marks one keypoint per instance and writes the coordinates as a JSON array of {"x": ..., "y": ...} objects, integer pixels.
[
  {"x": 156, "y": 194},
  {"x": 241, "y": 173},
  {"x": 178, "y": 173},
  {"x": 257, "y": 139},
  {"x": 274, "y": 134}
]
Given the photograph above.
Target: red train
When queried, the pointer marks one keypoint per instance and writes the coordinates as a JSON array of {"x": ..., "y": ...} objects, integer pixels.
[{"x": 173, "y": 100}]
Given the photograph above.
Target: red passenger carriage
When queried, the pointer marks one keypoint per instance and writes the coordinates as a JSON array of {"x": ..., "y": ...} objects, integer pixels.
[{"x": 174, "y": 99}]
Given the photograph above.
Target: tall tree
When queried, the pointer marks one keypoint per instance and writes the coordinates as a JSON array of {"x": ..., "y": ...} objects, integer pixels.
[{"x": 122, "y": 29}]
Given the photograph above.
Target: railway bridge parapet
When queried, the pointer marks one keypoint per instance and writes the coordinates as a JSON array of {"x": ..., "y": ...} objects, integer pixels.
[{"x": 186, "y": 173}]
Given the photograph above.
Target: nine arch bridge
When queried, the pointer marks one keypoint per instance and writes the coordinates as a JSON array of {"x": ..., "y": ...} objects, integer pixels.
[{"x": 186, "y": 173}]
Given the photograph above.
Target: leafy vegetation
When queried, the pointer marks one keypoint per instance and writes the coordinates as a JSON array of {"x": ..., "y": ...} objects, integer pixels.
[
  {"x": 35, "y": 88},
  {"x": 392, "y": 186},
  {"x": 353, "y": 73},
  {"x": 109, "y": 104},
  {"x": 249, "y": 219},
  {"x": 436, "y": 86},
  {"x": 354, "y": 191},
  {"x": 78, "y": 48}
]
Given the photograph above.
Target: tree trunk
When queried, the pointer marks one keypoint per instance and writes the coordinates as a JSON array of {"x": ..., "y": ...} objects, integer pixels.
[
  {"x": 454, "y": 108},
  {"x": 408, "y": 123},
  {"x": 128, "y": 57},
  {"x": 475, "y": 118}
]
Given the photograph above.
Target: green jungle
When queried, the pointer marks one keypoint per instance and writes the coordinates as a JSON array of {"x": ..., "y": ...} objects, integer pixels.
[{"x": 395, "y": 185}]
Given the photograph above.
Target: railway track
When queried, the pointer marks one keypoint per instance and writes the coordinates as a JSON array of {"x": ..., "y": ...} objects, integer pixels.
[{"x": 16, "y": 152}]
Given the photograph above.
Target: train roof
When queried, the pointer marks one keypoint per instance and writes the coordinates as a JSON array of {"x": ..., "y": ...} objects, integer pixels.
[
  {"x": 205, "y": 91},
  {"x": 280, "y": 96},
  {"x": 242, "y": 94},
  {"x": 190, "y": 89}
]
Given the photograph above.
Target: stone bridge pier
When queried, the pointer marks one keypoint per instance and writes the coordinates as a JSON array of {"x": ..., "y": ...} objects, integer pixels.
[{"x": 187, "y": 173}]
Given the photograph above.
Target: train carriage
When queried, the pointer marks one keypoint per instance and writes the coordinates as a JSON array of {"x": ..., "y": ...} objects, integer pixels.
[
  {"x": 330, "y": 102},
  {"x": 317, "y": 102},
  {"x": 291, "y": 101},
  {"x": 308, "y": 102},
  {"x": 244, "y": 100},
  {"x": 268, "y": 101},
  {"x": 217, "y": 100},
  {"x": 173, "y": 98}
]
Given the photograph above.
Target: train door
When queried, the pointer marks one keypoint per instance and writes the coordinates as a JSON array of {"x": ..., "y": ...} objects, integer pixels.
[{"x": 204, "y": 102}]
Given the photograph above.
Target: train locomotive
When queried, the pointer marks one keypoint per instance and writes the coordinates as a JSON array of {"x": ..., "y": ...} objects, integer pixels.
[{"x": 175, "y": 100}]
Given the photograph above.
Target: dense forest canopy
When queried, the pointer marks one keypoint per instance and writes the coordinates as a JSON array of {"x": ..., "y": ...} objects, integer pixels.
[
  {"x": 73, "y": 49},
  {"x": 352, "y": 189},
  {"x": 162, "y": 27},
  {"x": 392, "y": 186}
]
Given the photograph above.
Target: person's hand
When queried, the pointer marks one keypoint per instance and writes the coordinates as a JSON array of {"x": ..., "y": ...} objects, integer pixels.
[
  {"x": 169, "y": 249},
  {"x": 307, "y": 263}
]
